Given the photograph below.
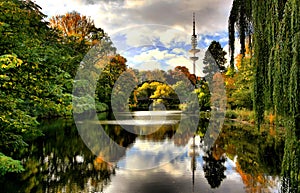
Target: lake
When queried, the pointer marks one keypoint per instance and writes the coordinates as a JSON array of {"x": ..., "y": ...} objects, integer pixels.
[{"x": 154, "y": 153}]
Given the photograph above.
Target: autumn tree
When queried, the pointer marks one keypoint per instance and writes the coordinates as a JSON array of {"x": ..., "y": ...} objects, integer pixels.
[
  {"x": 78, "y": 34},
  {"x": 154, "y": 90},
  {"x": 78, "y": 27},
  {"x": 179, "y": 73},
  {"x": 152, "y": 75}
]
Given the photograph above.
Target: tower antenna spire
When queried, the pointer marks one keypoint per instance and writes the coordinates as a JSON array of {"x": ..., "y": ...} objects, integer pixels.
[
  {"x": 194, "y": 50},
  {"x": 194, "y": 33}
]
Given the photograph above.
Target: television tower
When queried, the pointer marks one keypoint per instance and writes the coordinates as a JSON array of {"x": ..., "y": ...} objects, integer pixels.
[{"x": 194, "y": 50}]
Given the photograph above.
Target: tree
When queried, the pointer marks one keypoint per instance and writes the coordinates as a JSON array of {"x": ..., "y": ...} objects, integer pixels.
[
  {"x": 239, "y": 86},
  {"x": 276, "y": 40},
  {"x": 16, "y": 119},
  {"x": 78, "y": 34},
  {"x": 179, "y": 73},
  {"x": 241, "y": 19},
  {"x": 31, "y": 82},
  {"x": 78, "y": 27},
  {"x": 214, "y": 60},
  {"x": 21, "y": 24},
  {"x": 242, "y": 96},
  {"x": 111, "y": 69},
  {"x": 39, "y": 80},
  {"x": 203, "y": 96},
  {"x": 154, "y": 90},
  {"x": 123, "y": 92}
]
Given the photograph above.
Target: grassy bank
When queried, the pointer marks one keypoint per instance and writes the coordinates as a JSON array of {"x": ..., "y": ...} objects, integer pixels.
[{"x": 245, "y": 115}]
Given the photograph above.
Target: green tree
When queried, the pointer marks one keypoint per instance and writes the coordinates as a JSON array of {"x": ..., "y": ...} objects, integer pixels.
[
  {"x": 32, "y": 85},
  {"x": 203, "y": 96},
  {"x": 99, "y": 70},
  {"x": 111, "y": 69},
  {"x": 123, "y": 91},
  {"x": 276, "y": 40},
  {"x": 242, "y": 94},
  {"x": 214, "y": 60},
  {"x": 240, "y": 18}
]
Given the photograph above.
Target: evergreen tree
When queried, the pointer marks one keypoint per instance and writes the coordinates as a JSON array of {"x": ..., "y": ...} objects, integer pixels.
[{"x": 214, "y": 60}]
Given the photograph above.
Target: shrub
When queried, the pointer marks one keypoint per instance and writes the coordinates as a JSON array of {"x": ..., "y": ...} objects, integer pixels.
[{"x": 231, "y": 114}]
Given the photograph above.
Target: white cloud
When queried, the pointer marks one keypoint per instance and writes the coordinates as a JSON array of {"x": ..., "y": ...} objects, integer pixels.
[
  {"x": 149, "y": 35},
  {"x": 145, "y": 154},
  {"x": 149, "y": 65},
  {"x": 58, "y": 7},
  {"x": 224, "y": 39},
  {"x": 155, "y": 54},
  {"x": 208, "y": 41},
  {"x": 179, "y": 61},
  {"x": 154, "y": 23},
  {"x": 178, "y": 51},
  {"x": 129, "y": 4},
  {"x": 211, "y": 15}
]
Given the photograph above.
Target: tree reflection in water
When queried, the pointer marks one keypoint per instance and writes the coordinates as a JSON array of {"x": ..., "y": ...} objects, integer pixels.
[
  {"x": 60, "y": 161},
  {"x": 214, "y": 169}
]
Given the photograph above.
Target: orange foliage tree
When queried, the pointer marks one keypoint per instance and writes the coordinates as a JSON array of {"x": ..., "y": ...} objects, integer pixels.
[{"x": 77, "y": 26}]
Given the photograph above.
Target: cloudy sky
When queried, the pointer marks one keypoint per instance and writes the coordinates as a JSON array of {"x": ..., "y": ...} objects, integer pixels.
[{"x": 153, "y": 33}]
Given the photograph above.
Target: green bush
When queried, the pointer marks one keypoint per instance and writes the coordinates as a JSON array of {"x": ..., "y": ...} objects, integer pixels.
[
  {"x": 245, "y": 115},
  {"x": 101, "y": 107},
  {"x": 7, "y": 164},
  {"x": 230, "y": 114}
]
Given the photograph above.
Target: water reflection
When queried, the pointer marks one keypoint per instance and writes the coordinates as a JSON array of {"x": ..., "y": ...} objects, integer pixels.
[
  {"x": 214, "y": 169},
  {"x": 257, "y": 154},
  {"x": 241, "y": 160},
  {"x": 59, "y": 162}
]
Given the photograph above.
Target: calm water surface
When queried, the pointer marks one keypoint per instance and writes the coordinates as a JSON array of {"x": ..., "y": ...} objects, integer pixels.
[{"x": 158, "y": 158}]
